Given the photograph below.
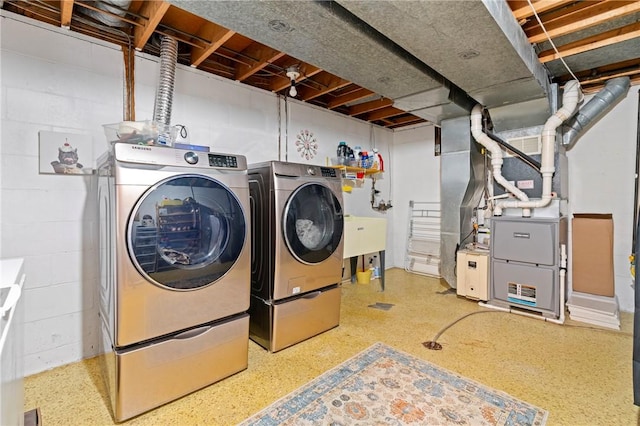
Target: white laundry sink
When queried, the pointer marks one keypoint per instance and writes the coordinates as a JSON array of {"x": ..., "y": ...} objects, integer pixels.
[{"x": 364, "y": 235}]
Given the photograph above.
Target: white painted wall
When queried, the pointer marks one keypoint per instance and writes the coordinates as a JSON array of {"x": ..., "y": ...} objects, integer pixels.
[
  {"x": 602, "y": 180},
  {"x": 416, "y": 177}
]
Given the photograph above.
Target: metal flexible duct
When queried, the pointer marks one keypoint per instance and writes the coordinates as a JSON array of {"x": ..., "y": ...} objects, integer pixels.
[
  {"x": 164, "y": 92},
  {"x": 117, "y": 7},
  {"x": 614, "y": 90}
]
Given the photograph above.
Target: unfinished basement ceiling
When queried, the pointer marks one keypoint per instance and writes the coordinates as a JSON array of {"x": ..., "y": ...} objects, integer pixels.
[{"x": 391, "y": 63}]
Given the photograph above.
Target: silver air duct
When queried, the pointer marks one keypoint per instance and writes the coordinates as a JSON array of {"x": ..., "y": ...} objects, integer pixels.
[
  {"x": 164, "y": 92},
  {"x": 462, "y": 180},
  {"x": 599, "y": 105},
  {"x": 114, "y": 8}
]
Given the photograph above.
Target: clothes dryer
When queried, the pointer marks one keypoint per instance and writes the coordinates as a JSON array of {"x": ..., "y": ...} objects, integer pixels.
[
  {"x": 174, "y": 272},
  {"x": 297, "y": 237}
]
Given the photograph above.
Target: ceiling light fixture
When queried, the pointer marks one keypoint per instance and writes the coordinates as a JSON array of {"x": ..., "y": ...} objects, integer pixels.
[{"x": 293, "y": 74}]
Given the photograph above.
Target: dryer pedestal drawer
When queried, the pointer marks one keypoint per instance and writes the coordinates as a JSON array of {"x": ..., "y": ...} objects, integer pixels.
[
  {"x": 169, "y": 369},
  {"x": 301, "y": 318},
  {"x": 280, "y": 324}
]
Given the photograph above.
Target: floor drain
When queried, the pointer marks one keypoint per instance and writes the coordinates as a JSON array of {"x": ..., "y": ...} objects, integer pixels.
[{"x": 434, "y": 346}]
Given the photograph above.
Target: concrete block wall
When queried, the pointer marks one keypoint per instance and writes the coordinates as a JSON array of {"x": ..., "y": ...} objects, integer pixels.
[{"x": 49, "y": 219}]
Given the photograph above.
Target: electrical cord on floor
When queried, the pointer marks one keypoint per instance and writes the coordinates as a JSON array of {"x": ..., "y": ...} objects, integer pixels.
[{"x": 434, "y": 345}]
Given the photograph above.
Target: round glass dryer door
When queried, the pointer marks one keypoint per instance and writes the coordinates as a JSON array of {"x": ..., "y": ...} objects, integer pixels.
[
  {"x": 186, "y": 232},
  {"x": 312, "y": 223}
]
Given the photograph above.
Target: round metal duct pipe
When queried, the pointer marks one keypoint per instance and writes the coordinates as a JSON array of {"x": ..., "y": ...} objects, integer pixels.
[{"x": 164, "y": 92}]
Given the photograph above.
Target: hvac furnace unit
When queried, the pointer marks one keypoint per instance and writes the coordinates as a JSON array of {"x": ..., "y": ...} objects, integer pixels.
[{"x": 525, "y": 263}]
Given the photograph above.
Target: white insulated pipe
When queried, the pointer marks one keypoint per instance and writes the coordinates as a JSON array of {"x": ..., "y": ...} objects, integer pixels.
[
  {"x": 570, "y": 98},
  {"x": 496, "y": 155}
]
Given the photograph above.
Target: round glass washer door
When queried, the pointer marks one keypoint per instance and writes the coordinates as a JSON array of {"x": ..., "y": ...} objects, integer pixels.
[
  {"x": 186, "y": 232},
  {"x": 313, "y": 223}
]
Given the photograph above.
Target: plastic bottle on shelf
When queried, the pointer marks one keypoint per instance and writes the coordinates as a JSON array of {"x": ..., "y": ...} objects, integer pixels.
[
  {"x": 357, "y": 150},
  {"x": 364, "y": 158},
  {"x": 377, "y": 160},
  {"x": 342, "y": 152}
]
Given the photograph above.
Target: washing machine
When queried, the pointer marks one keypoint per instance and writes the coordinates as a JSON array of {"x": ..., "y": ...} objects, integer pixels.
[
  {"x": 175, "y": 260},
  {"x": 297, "y": 238}
]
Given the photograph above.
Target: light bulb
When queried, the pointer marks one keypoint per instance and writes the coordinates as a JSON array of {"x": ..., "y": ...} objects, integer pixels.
[{"x": 292, "y": 91}]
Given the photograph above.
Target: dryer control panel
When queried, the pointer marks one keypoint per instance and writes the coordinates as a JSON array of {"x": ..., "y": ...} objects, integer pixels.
[
  {"x": 167, "y": 156},
  {"x": 328, "y": 172},
  {"x": 217, "y": 160}
]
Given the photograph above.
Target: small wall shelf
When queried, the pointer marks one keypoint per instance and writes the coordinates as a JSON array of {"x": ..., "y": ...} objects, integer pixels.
[
  {"x": 351, "y": 169},
  {"x": 350, "y": 177}
]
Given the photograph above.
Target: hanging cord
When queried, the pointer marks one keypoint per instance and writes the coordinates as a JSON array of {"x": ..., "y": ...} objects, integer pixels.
[
  {"x": 551, "y": 41},
  {"x": 182, "y": 131},
  {"x": 279, "y": 127},
  {"x": 286, "y": 129}
]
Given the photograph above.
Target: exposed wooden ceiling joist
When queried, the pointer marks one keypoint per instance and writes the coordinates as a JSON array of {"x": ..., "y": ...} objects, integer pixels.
[
  {"x": 606, "y": 38},
  {"x": 66, "y": 10},
  {"x": 580, "y": 16},
  {"x": 354, "y": 96},
  {"x": 153, "y": 11},
  {"x": 370, "y": 106},
  {"x": 216, "y": 35}
]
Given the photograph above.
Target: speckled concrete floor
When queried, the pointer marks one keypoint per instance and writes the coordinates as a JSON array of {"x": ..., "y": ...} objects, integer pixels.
[{"x": 580, "y": 374}]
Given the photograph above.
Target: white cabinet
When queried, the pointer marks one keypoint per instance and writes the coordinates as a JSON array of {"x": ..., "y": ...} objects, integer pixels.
[
  {"x": 472, "y": 270},
  {"x": 11, "y": 342}
]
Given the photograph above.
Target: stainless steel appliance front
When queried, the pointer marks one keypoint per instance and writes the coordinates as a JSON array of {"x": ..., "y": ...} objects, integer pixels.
[
  {"x": 175, "y": 270},
  {"x": 297, "y": 233}
]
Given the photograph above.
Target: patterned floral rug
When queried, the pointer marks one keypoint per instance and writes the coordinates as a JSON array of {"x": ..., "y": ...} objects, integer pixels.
[{"x": 384, "y": 386}]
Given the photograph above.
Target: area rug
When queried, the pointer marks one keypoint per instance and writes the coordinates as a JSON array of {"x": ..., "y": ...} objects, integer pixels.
[{"x": 383, "y": 386}]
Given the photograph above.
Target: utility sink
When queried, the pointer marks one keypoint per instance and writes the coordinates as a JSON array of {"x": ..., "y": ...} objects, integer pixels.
[{"x": 364, "y": 235}]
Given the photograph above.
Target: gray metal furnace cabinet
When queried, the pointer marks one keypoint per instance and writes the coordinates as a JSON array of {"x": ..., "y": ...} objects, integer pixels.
[{"x": 525, "y": 263}]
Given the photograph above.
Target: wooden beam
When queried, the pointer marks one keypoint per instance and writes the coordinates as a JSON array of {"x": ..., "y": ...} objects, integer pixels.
[
  {"x": 356, "y": 95},
  {"x": 598, "y": 13},
  {"x": 66, "y": 11},
  {"x": 370, "y": 106},
  {"x": 522, "y": 10},
  {"x": 604, "y": 72},
  {"x": 260, "y": 55},
  {"x": 384, "y": 113},
  {"x": 216, "y": 35},
  {"x": 153, "y": 11},
  {"x": 129, "y": 113},
  {"x": 281, "y": 82},
  {"x": 407, "y": 119},
  {"x": 607, "y": 38},
  {"x": 564, "y": 14},
  {"x": 328, "y": 82}
]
